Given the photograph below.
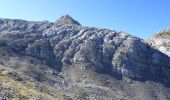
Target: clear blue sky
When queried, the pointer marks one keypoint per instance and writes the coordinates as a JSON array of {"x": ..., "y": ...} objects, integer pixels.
[{"x": 141, "y": 18}]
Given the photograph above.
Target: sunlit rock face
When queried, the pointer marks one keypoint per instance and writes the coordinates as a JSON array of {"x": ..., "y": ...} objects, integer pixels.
[
  {"x": 83, "y": 61},
  {"x": 161, "y": 41},
  {"x": 67, "y": 20}
]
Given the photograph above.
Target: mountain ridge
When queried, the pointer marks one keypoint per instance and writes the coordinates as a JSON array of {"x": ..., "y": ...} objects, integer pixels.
[
  {"x": 161, "y": 41},
  {"x": 76, "y": 62}
]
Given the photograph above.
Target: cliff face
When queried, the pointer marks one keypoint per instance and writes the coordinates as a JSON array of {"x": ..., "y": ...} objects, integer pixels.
[{"x": 82, "y": 63}]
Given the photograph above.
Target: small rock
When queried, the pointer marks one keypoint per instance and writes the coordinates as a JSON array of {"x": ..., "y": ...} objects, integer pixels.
[{"x": 5, "y": 72}]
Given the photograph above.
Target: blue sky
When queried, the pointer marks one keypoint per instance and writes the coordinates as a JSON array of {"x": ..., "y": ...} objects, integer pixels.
[{"x": 141, "y": 18}]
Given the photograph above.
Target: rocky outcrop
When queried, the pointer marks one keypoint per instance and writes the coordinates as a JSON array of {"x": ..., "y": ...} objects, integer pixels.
[
  {"x": 66, "y": 20},
  {"x": 161, "y": 41},
  {"x": 97, "y": 61}
]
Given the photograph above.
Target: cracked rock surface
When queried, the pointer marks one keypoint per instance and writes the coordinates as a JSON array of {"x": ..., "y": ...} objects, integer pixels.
[{"x": 84, "y": 62}]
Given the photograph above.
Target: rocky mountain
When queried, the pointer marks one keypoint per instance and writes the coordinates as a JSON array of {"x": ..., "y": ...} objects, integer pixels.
[
  {"x": 66, "y": 20},
  {"x": 161, "y": 41},
  {"x": 67, "y": 61}
]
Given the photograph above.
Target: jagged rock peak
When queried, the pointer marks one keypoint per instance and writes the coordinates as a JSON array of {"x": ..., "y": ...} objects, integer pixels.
[{"x": 66, "y": 20}]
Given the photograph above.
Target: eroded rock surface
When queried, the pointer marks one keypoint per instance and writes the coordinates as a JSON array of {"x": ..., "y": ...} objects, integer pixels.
[{"x": 101, "y": 63}]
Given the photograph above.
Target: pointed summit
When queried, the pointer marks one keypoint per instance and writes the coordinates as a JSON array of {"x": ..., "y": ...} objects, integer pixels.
[{"x": 67, "y": 20}]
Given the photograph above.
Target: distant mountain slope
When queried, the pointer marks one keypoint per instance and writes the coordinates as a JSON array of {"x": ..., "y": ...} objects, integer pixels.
[
  {"x": 46, "y": 61},
  {"x": 161, "y": 41}
]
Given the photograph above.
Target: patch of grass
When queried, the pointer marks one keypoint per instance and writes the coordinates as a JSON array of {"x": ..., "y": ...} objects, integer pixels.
[
  {"x": 4, "y": 79},
  {"x": 107, "y": 84},
  {"x": 23, "y": 95},
  {"x": 114, "y": 98},
  {"x": 26, "y": 90},
  {"x": 83, "y": 96},
  {"x": 163, "y": 35}
]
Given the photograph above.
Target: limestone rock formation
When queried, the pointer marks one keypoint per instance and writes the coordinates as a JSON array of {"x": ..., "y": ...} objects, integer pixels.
[
  {"x": 67, "y": 61},
  {"x": 66, "y": 20},
  {"x": 161, "y": 41}
]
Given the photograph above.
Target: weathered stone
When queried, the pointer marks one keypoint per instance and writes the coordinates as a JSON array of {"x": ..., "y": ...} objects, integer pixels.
[
  {"x": 161, "y": 41},
  {"x": 66, "y": 20},
  {"x": 83, "y": 59}
]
